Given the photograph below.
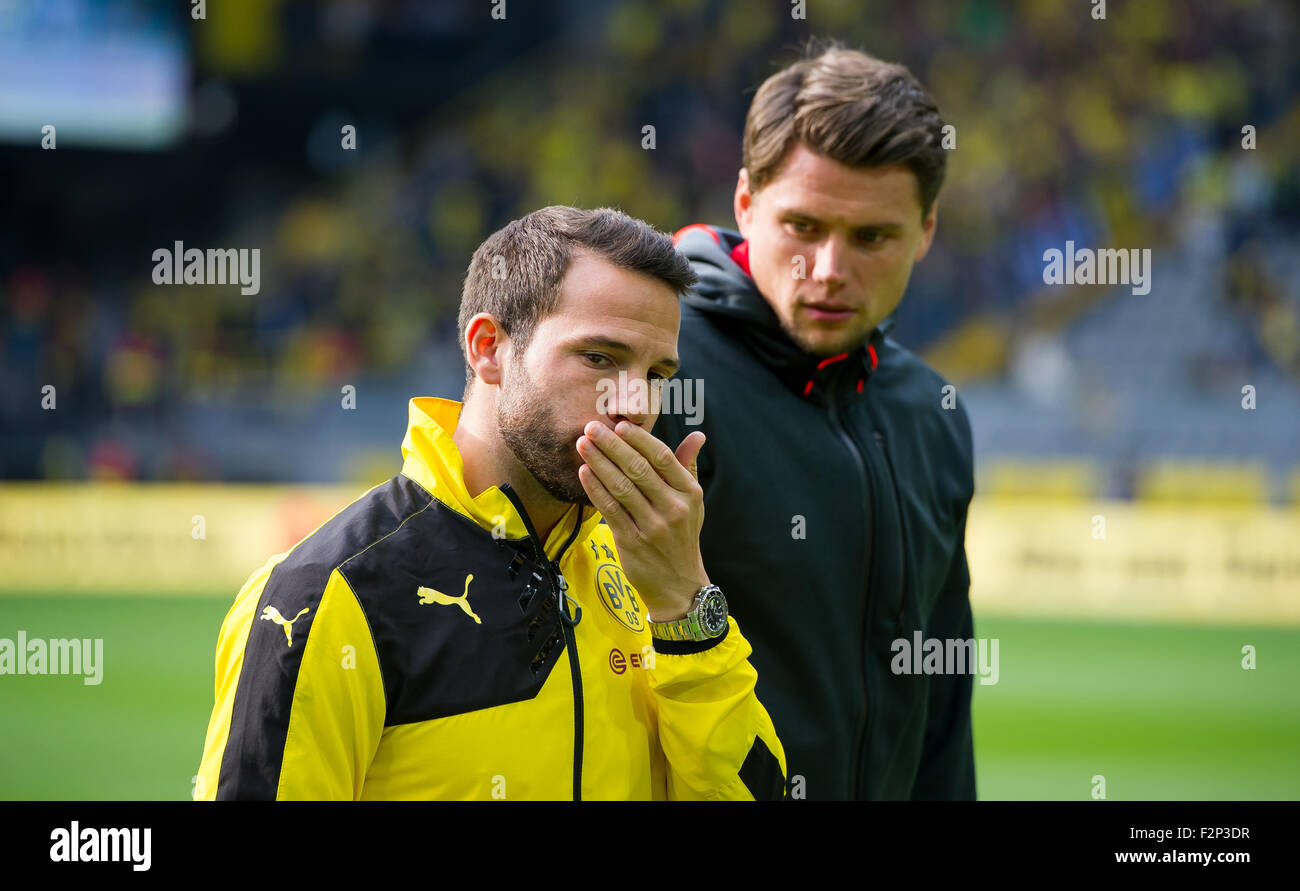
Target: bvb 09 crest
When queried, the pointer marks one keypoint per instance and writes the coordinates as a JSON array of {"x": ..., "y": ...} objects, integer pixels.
[{"x": 618, "y": 595}]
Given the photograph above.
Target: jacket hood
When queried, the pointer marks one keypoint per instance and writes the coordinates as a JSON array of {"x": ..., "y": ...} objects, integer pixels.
[
  {"x": 727, "y": 294},
  {"x": 431, "y": 458}
]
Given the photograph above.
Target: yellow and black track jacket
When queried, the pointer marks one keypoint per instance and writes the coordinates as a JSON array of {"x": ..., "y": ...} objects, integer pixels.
[{"x": 424, "y": 644}]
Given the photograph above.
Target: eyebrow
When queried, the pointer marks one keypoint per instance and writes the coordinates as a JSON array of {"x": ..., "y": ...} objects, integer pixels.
[
  {"x": 609, "y": 343},
  {"x": 884, "y": 226}
]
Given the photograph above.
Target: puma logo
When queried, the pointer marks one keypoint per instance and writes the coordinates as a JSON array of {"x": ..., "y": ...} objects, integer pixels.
[
  {"x": 428, "y": 595},
  {"x": 273, "y": 614}
]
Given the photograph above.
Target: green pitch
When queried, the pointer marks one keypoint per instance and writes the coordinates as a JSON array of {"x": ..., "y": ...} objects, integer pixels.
[{"x": 1161, "y": 712}]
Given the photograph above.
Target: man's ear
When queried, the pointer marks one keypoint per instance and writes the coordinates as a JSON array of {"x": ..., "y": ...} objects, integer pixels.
[
  {"x": 744, "y": 202},
  {"x": 927, "y": 232},
  {"x": 486, "y": 345}
]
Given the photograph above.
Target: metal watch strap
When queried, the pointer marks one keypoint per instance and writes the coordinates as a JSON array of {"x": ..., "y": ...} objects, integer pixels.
[
  {"x": 685, "y": 628},
  {"x": 688, "y": 626}
]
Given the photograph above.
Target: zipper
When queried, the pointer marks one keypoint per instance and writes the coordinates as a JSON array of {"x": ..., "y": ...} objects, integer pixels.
[
  {"x": 863, "y": 462},
  {"x": 864, "y": 478},
  {"x": 560, "y": 586},
  {"x": 898, "y": 515},
  {"x": 571, "y": 641},
  {"x": 902, "y": 562}
]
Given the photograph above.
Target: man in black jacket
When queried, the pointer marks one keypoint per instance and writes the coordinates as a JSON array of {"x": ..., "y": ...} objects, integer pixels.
[{"x": 838, "y": 467}]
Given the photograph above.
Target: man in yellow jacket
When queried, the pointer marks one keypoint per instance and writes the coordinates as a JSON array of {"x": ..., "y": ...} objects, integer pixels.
[{"x": 522, "y": 612}]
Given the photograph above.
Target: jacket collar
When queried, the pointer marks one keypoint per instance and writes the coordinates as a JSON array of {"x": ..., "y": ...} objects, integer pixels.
[{"x": 430, "y": 457}]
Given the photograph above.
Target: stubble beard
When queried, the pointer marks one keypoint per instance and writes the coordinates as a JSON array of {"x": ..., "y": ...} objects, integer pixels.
[
  {"x": 843, "y": 343},
  {"x": 801, "y": 336},
  {"x": 527, "y": 426}
]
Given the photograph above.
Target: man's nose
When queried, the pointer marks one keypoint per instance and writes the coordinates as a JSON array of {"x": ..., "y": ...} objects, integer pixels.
[
  {"x": 637, "y": 403},
  {"x": 828, "y": 262}
]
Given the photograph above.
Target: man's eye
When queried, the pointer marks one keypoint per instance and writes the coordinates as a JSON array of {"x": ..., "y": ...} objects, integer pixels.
[
  {"x": 596, "y": 358},
  {"x": 800, "y": 227},
  {"x": 871, "y": 237}
]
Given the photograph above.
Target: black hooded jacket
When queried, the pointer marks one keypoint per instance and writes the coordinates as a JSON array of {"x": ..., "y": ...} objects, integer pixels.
[{"x": 836, "y": 493}]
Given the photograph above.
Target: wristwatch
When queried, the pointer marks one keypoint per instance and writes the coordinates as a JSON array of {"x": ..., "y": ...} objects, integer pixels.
[{"x": 706, "y": 620}]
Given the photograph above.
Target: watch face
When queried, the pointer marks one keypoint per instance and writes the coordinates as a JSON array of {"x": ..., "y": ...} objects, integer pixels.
[{"x": 713, "y": 614}]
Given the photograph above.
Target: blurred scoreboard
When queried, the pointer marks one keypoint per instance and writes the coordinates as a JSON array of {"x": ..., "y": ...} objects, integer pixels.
[{"x": 111, "y": 74}]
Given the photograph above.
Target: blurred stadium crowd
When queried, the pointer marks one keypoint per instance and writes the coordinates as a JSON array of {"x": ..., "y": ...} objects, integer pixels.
[{"x": 1125, "y": 133}]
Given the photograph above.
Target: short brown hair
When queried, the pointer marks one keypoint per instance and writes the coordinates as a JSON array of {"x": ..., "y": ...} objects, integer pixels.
[
  {"x": 852, "y": 108},
  {"x": 517, "y": 271}
]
